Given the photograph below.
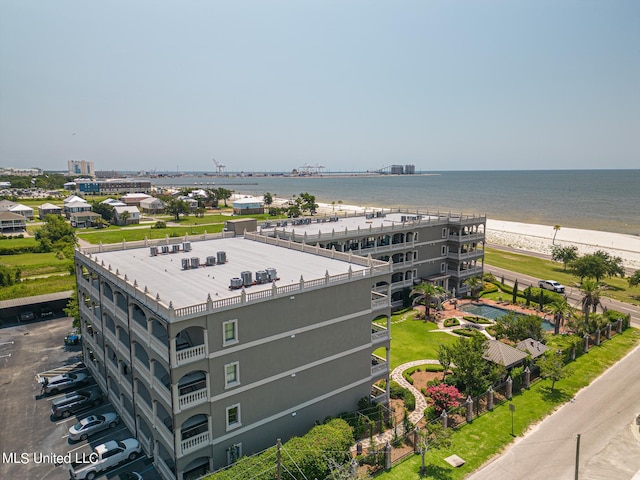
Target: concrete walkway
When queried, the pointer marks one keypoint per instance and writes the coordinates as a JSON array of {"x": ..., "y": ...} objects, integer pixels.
[{"x": 414, "y": 417}]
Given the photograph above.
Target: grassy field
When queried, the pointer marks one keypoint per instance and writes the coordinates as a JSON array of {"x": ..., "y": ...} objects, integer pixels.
[
  {"x": 116, "y": 235},
  {"x": 617, "y": 288},
  {"x": 37, "y": 263},
  {"x": 40, "y": 286},
  {"x": 491, "y": 433}
]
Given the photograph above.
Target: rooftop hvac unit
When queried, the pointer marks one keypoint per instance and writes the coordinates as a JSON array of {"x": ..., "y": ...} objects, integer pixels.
[
  {"x": 368, "y": 216},
  {"x": 272, "y": 274},
  {"x": 246, "y": 278},
  {"x": 186, "y": 246},
  {"x": 165, "y": 248},
  {"x": 195, "y": 262},
  {"x": 403, "y": 218},
  {"x": 185, "y": 264},
  {"x": 235, "y": 283},
  {"x": 222, "y": 257},
  {"x": 262, "y": 277},
  {"x": 175, "y": 248},
  {"x": 154, "y": 251},
  {"x": 211, "y": 260}
]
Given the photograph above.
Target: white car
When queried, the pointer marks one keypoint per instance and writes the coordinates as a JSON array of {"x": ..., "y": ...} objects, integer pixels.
[
  {"x": 551, "y": 285},
  {"x": 92, "y": 424}
]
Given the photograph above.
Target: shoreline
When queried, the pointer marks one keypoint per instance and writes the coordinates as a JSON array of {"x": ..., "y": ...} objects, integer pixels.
[{"x": 531, "y": 237}]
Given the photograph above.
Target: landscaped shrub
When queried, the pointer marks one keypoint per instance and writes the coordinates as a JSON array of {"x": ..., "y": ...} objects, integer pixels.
[
  {"x": 395, "y": 390},
  {"x": 409, "y": 400},
  {"x": 467, "y": 332},
  {"x": 614, "y": 315},
  {"x": 160, "y": 224},
  {"x": 407, "y": 377},
  {"x": 451, "y": 322},
  {"x": 308, "y": 454},
  {"x": 444, "y": 397}
]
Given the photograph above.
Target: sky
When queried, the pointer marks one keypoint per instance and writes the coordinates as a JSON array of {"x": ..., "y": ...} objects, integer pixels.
[{"x": 349, "y": 85}]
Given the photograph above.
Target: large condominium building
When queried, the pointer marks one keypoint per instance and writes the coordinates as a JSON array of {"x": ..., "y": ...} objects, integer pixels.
[
  {"x": 81, "y": 167},
  {"x": 213, "y": 348},
  {"x": 443, "y": 249},
  {"x": 109, "y": 187}
]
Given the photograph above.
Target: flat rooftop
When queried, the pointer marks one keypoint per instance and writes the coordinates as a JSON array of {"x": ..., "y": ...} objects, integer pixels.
[
  {"x": 352, "y": 223},
  {"x": 163, "y": 274}
]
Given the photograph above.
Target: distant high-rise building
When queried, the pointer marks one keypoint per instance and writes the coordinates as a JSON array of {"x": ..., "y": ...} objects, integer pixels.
[
  {"x": 409, "y": 169},
  {"x": 81, "y": 167}
]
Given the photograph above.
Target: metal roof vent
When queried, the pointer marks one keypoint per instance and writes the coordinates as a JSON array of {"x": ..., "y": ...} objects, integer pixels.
[
  {"x": 165, "y": 248},
  {"x": 272, "y": 273},
  {"x": 154, "y": 250},
  {"x": 186, "y": 246},
  {"x": 195, "y": 262},
  {"x": 262, "y": 277},
  {"x": 222, "y": 257},
  {"x": 211, "y": 261},
  {"x": 235, "y": 283},
  {"x": 175, "y": 248},
  {"x": 246, "y": 278},
  {"x": 185, "y": 264}
]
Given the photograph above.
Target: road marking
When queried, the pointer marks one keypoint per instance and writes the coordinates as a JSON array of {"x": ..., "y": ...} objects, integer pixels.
[
  {"x": 7, "y": 343},
  {"x": 85, "y": 412},
  {"x": 98, "y": 440},
  {"x": 8, "y": 355}
]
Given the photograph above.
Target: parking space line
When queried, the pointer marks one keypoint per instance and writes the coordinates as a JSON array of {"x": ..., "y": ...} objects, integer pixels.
[
  {"x": 127, "y": 463},
  {"x": 7, "y": 343},
  {"x": 2, "y": 356},
  {"x": 85, "y": 413},
  {"x": 98, "y": 440}
]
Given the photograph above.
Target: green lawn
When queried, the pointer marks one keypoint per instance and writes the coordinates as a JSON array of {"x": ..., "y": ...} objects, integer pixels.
[
  {"x": 41, "y": 286},
  {"x": 491, "y": 432},
  {"x": 110, "y": 235},
  {"x": 36, "y": 263},
  {"x": 617, "y": 288},
  {"x": 414, "y": 340}
]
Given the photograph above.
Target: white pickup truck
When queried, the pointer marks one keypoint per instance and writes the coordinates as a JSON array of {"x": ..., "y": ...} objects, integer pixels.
[{"x": 103, "y": 457}]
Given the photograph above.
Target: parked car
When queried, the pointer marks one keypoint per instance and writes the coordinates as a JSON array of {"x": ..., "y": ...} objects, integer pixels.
[
  {"x": 106, "y": 456},
  {"x": 551, "y": 285},
  {"x": 76, "y": 401},
  {"x": 47, "y": 314},
  {"x": 93, "y": 424},
  {"x": 62, "y": 382},
  {"x": 74, "y": 338},
  {"x": 26, "y": 316}
]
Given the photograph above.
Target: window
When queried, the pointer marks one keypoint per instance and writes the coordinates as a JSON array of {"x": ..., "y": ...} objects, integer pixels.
[
  {"x": 444, "y": 250},
  {"x": 234, "y": 452},
  {"x": 231, "y": 374},
  {"x": 444, "y": 233},
  {"x": 233, "y": 417},
  {"x": 443, "y": 267},
  {"x": 230, "y": 332}
]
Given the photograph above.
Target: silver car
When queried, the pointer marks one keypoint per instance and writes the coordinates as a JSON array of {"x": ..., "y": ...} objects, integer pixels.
[
  {"x": 92, "y": 424},
  {"x": 63, "y": 382}
]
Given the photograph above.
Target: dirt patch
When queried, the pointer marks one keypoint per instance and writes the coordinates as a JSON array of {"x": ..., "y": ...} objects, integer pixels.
[{"x": 420, "y": 379}]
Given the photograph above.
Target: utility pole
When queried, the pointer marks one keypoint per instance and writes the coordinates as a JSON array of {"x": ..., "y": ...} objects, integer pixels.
[
  {"x": 278, "y": 460},
  {"x": 577, "y": 454}
]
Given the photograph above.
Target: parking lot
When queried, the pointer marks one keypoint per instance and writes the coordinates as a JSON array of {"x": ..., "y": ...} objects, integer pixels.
[{"x": 31, "y": 438}]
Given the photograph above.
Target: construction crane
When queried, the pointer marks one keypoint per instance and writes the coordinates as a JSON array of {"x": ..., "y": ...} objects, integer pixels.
[
  {"x": 307, "y": 169},
  {"x": 219, "y": 168}
]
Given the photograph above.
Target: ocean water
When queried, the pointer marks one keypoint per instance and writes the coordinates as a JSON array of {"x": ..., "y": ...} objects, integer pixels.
[{"x": 606, "y": 200}]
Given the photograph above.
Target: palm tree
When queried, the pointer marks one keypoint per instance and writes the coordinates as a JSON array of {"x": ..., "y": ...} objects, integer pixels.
[
  {"x": 555, "y": 228},
  {"x": 561, "y": 310},
  {"x": 428, "y": 294},
  {"x": 124, "y": 216},
  {"x": 475, "y": 285},
  {"x": 591, "y": 291}
]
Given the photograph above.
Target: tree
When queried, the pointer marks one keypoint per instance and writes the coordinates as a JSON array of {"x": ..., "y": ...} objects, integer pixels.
[
  {"x": 211, "y": 197},
  {"x": 634, "y": 280},
  {"x": 518, "y": 327},
  {"x": 597, "y": 265},
  {"x": 72, "y": 310},
  {"x": 124, "y": 217},
  {"x": 56, "y": 234},
  {"x": 552, "y": 367},
  {"x": 561, "y": 310},
  {"x": 176, "y": 208},
  {"x": 267, "y": 198},
  {"x": 428, "y": 295},
  {"x": 104, "y": 209},
  {"x": 9, "y": 275},
  {"x": 514, "y": 298},
  {"x": 223, "y": 194},
  {"x": 566, "y": 255},
  {"x": 555, "y": 232},
  {"x": 443, "y": 396},
  {"x": 308, "y": 203},
  {"x": 468, "y": 366},
  {"x": 475, "y": 285},
  {"x": 444, "y": 359},
  {"x": 591, "y": 291}
]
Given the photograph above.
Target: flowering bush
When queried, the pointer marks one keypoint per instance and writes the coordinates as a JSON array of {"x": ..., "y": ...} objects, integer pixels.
[{"x": 443, "y": 396}]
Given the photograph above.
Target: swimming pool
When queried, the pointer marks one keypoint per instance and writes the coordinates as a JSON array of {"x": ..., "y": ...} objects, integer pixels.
[{"x": 489, "y": 311}]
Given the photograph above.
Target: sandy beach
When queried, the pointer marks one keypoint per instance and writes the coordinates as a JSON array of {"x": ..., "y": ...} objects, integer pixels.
[{"x": 533, "y": 237}]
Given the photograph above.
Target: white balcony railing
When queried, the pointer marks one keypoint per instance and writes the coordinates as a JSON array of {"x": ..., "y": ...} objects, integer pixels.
[
  {"x": 164, "y": 470},
  {"x": 163, "y": 392},
  {"x": 142, "y": 370},
  {"x": 192, "y": 354},
  {"x": 193, "y": 398},
  {"x": 195, "y": 442},
  {"x": 379, "y": 333},
  {"x": 165, "y": 434},
  {"x": 378, "y": 365}
]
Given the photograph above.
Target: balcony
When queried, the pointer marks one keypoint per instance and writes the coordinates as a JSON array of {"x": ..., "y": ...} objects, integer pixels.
[
  {"x": 162, "y": 391},
  {"x": 470, "y": 255},
  {"x": 379, "y": 334},
  {"x": 379, "y": 366},
  {"x": 164, "y": 432},
  {"x": 145, "y": 408},
  {"x": 191, "y": 354},
  {"x": 378, "y": 395},
  {"x": 468, "y": 272},
  {"x": 164, "y": 470},
  {"x": 142, "y": 370},
  {"x": 191, "y": 399},
  {"x": 111, "y": 336},
  {"x": 160, "y": 348},
  {"x": 195, "y": 442},
  {"x": 473, "y": 237},
  {"x": 378, "y": 300},
  {"x": 140, "y": 331}
]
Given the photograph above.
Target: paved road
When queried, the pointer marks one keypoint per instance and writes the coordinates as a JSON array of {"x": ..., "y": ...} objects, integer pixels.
[{"x": 601, "y": 414}]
